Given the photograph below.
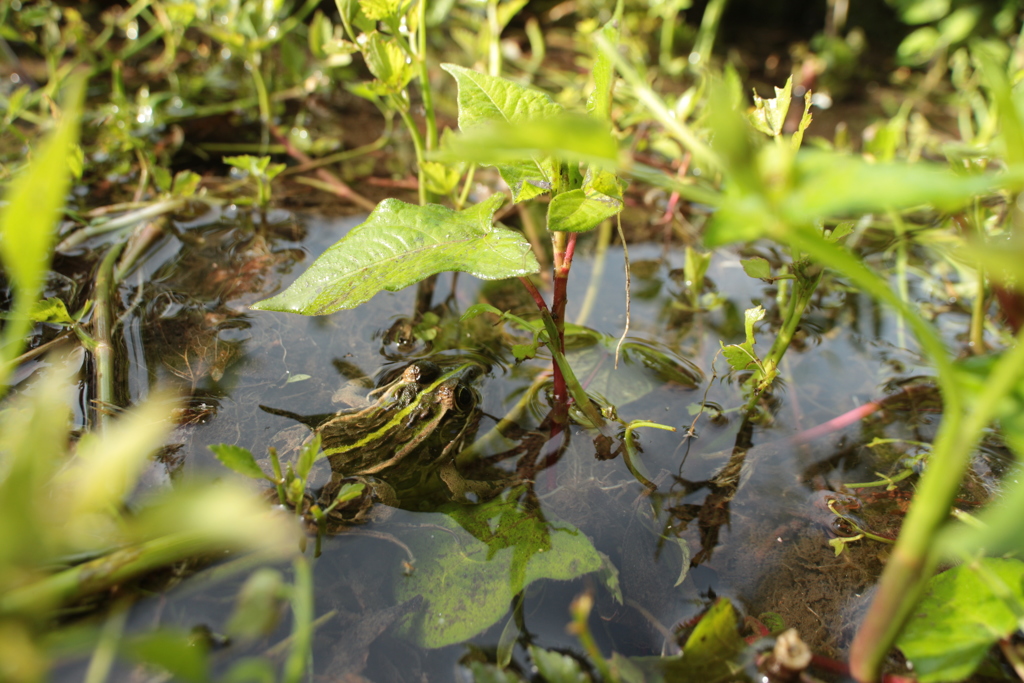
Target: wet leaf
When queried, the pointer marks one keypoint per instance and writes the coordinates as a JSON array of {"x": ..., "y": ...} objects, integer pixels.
[
  {"x": 238, "y": 459},
  {"x": 401, "y": 244},
  {"x": 961, "y": 617},
  {"x": 469, "y": 569}
]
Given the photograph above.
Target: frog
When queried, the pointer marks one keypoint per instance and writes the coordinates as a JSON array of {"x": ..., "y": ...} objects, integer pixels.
[{"x": 403, "y": 444}]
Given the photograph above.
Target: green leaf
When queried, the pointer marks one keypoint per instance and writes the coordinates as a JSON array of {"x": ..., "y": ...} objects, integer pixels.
[
  {"x": 599, "y": 104},
  {"x": 769, "y": 116},
  {"x": 238, "y": 459},
  {"x": 186, "y": 183},
  {"x": 554, "y": 667},
  {"x": 400, "y": 244},
  {"x": 757, "y": 267},
  {"x": 380, "y": 10},
  {"x": 585, "y": 209},
  {"x": 386, "y": 61},
  {"x": 713, "y": 653},
  {"x": 258, "y": 605},
  {"x": 569, "y": 137},
  {"x": 742, "y": 356},
  {"x": 484, "y": 99},
  {"x": 177, "y": 652},
  {"x": 961, "y": 617},
  {"x": 805, "y": 121},
  {"x": 34, "y": 202},
  {"x": 307, "y": 456},
  {"x": 51, "y": 310},
  {"x": 469, "y": 573}
]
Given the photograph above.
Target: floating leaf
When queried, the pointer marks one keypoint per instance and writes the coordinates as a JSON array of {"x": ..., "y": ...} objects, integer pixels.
[
  {"x": 961, "y": 617},
  {"x": 238, "y": 459},
  {"x": 400, "y": 244},
  {"x": 479, "y": 558}
]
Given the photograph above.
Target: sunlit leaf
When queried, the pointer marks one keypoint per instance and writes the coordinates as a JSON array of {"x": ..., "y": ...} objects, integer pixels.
[
  {"x": 585, "y": 209},
  {"x": 484, "y": 99},
  {"x": 400, "y": 244},
  {"x": 51, "y": 310},
  {"x": 961, "y": 616},
  {"x": 469, "y": 572},
  {"x": 565, "y": 136},
  {"x": 386, "y": 61},
  {"x": 769, "y": 115}
]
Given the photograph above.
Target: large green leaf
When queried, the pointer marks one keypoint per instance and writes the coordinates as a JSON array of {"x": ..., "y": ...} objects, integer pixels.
[
  {"x": 484, "y": 99},
  {"x": 481, "y": 556},
  {"x": 961, "y": 617},
  {"x": 400, "y": 244}
]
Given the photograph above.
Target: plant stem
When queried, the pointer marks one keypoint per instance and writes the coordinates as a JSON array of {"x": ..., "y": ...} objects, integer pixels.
[
  {"x": 417, "y": 143},
  {"x": 803, "y": 290},
  {"x": 425, "y": 92},
  {"x": 102, "y": 333},
  {"x": 302, "y": 628}
]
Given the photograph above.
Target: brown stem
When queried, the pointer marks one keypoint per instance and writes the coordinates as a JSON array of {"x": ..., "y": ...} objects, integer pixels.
[{"x": 340, "y": 187}]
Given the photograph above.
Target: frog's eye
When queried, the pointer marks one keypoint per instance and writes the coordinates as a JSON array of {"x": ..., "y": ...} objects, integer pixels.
[
  {"x": 421, "y": 372},
  {"x": 465, "y": 399}
]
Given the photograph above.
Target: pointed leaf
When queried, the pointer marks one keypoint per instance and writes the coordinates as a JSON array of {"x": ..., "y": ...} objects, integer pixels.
[
  {"x": 238, "y": 459},
  {"x": 400, "y": 244},
  {"x": 51, "y": 310},
  {"x": 769, "y": 116}
]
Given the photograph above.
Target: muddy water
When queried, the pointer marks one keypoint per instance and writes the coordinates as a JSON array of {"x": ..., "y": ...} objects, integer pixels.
[{"x": 763, "y": 542}]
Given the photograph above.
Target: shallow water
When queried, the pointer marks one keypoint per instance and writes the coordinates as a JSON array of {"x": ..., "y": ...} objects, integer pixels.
[{"x": 763, "y": 542}]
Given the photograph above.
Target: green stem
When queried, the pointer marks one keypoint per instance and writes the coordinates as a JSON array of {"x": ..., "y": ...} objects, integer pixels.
[
  {"x": 493, "y": 42},
  {"x": 803, "y": 291},
  {"x": 572, "y": 384},
  {"x": 417, "y": 143},
  {"x": 631, "y": 451},
  {"x": 421, "y": 61},
  {"x": 264, "y": 101},
  {"x": 302, "y": 628},
  {"x": 103, "y": 324},
  {"x": 706, "y": 34},
  {"x": 702, "y": 153}
]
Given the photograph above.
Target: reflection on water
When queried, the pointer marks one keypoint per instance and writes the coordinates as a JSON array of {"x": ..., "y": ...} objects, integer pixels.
[{"x": 742, "y": 513}]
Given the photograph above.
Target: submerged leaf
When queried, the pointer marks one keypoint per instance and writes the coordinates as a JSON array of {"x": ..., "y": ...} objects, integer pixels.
[
  {"x": 482, "y": 556},
  {"x": 400, "y": 244}
]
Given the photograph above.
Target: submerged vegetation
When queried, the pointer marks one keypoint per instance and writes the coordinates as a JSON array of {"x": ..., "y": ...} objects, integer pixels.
[{"x": 165, "y": 165}]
